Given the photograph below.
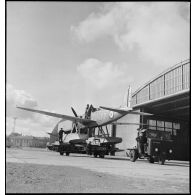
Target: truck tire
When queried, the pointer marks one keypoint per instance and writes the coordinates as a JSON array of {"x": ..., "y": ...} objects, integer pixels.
[
  {"x": 151, "y": 160},
  {"x": 161, "y": 160},
  {"x": 67, "y": 153},
  {"x": 61, "y": 153},
  {"x": 95, "y": 155},
  {"x": 133, "y": 155},
  {"x": 101, "y": 155}
]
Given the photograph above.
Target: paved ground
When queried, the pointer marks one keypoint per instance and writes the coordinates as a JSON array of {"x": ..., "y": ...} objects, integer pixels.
[{"x": 36, "y": 170}]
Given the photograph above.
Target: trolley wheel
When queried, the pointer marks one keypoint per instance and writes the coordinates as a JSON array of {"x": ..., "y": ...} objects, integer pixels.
[
  {"x": 67, "y": 153},
  {"x": 133, "y": 155},
  {"x": 151, "y": 160},
  {"x": 161, "y": 160}
]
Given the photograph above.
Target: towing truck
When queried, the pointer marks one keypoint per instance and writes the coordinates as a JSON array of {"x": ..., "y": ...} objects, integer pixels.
[{"x": 157, "y": 147}]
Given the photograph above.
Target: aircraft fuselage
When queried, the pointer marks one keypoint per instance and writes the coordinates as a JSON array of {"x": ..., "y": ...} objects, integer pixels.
[{"x": 104, "y": 117}]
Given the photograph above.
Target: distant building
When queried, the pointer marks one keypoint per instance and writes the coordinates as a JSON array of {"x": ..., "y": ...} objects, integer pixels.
[{"x": 18, "y": 140}]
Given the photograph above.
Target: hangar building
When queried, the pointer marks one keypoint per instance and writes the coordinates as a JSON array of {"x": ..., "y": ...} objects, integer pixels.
[{"x": 167, "y": 97}]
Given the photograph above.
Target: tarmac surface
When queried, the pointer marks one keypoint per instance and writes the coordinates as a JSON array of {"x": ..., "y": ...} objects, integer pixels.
[{"x": 40, "y": 171}]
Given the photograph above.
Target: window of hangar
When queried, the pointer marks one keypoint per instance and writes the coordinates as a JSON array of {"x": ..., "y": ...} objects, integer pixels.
[{"x": 164, "y": 126}]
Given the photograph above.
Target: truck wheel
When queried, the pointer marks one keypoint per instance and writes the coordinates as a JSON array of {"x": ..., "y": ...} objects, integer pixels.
[
  {"x": 133, "y": 155},
  {"x": 151, "y": 160},
  {"x": 101, "y": 155},
  {"x": 61, "y": 153},
  {"x": 95, "y": 155},
  {"x": 161, "y": 160},
  {"x": 67, "y": 153}
]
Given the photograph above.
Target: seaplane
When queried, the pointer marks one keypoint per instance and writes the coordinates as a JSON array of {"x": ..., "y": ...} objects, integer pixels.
[{"x": 84, "y": 127}]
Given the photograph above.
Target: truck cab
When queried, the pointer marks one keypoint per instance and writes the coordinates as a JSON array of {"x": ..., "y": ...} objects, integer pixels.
[{"x": 157, "y": 146}]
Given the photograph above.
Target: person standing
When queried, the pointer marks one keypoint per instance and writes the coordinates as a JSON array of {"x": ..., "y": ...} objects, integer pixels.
[
  {"x": 61, "y": 135},
  {"x": 86, "y": 111}
]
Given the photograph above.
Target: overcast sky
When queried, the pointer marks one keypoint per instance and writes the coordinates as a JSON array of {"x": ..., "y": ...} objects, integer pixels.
[{"x": 63, "y": 54}]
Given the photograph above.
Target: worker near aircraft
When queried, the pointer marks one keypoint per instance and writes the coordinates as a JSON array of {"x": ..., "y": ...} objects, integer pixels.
[
  {"x": 87, "y": 111},
  {"x": 61, "y": 135},
  {"x": 141, "y": 140}
]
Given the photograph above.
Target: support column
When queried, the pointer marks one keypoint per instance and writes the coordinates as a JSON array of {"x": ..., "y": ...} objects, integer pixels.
[{"x": 113, "y": 134}]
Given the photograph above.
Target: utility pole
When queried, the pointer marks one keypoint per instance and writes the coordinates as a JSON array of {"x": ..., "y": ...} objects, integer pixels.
[{"x": 14, "y": 124}]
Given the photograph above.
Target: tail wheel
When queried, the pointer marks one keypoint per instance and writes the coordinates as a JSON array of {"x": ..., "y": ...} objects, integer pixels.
[{"x": 133, "y": 155}]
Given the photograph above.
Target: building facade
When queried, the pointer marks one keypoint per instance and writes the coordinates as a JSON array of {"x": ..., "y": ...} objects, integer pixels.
[{"x": 17, "y": 140}]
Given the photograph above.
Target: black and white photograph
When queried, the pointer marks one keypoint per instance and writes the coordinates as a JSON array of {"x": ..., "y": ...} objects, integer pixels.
[{"x": 98, "y": 97}]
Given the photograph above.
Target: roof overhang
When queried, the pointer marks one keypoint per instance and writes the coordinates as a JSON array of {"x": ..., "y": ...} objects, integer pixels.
[{"x": 173, "y": 107}]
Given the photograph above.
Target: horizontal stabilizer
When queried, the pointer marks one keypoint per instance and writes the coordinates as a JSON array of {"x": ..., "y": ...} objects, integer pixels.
[
  {"x": 119, "y": 110},
  {"x": 140, "y": 113}
]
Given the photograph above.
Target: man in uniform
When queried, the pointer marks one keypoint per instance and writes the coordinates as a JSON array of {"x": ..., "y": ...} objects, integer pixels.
[
  {"x": 141, "y": 140},
  {"x": 86, "y": 111},
  {"x": 61, "y": 135}
]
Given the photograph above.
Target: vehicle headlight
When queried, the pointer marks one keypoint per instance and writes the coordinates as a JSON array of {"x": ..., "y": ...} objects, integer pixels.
[
  {"x": 170, "y": 151},
  {"x": 156, "y": 149}
]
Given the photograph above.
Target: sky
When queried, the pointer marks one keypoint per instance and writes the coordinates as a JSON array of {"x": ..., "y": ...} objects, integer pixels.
[{"x": 68, "y": 54}]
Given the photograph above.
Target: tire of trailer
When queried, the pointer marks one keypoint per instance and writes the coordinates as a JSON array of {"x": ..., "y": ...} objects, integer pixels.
[
  {"x": 161, "y": 160},
  {"x": 133, "y": 155},
  {"x": 95, "y": 155},
  {"x": 151, "y": 159}
]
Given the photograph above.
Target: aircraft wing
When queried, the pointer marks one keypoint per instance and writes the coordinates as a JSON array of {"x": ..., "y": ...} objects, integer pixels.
[
  {"x": 125, "y": 111},
  {"x": 62, "y": 116}
]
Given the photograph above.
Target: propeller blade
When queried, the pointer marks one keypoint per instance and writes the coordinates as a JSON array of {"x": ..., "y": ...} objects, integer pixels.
[{"x": 74, "y": 112}]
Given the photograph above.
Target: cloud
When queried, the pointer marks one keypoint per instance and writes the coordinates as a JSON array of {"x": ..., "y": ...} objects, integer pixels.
[
  {"x": 159, "y": 29},
  {"x": 101, "y": 74},
  {"x": 27, "y": 122},
  {"x": 16, "y": 97}
]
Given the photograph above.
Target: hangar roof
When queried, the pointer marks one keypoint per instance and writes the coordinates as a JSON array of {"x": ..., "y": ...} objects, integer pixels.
[{"x": 168, "y": 94}]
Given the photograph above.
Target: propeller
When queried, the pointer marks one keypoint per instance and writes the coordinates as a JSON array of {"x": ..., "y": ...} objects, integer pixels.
[{"x": 74, "y": 112}]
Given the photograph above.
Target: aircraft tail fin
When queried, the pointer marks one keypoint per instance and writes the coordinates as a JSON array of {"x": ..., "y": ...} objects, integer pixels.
[{"x": 127, "y": 98}]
